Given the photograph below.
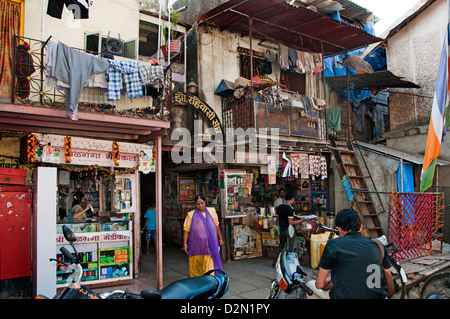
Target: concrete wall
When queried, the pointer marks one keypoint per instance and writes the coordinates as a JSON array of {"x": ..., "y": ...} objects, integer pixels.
[
  {"x": 218, "y": 59},
  {"x": 414, "y": 53},
  {"x": 115, "y": 16}
]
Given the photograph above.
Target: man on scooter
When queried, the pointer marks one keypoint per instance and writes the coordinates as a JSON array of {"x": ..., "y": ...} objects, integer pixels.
[{"x": 354, "y": 261}]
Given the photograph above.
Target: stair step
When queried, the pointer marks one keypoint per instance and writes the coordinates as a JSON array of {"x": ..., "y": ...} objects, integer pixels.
[
  {"x": 357, "y": 176},
  {"x": 342, "y": 150}
]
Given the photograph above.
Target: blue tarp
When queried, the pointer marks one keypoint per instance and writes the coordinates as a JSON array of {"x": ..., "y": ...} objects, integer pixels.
[
  {"x": 333, "y": 65},
  {"x": 408, "y": 187}
]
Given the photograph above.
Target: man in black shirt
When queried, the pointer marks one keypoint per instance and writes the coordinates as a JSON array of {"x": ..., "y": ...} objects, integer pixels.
[
  {"x": 355, "y": 262},
  {"x": 285, "y": 217}
]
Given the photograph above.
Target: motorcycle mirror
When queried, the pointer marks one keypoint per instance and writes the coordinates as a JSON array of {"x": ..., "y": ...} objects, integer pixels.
[{"x": 68, "y": 234}]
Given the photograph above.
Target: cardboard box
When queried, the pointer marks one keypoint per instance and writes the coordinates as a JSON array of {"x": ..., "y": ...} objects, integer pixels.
[{"x": 267, "y": 239}]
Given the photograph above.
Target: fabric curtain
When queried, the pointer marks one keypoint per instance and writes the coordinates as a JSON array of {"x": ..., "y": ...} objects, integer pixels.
[{"x": 9, "y": 25}]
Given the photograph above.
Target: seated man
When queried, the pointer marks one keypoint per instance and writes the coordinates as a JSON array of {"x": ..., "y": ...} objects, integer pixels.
[{"x": 354, "y": 262}]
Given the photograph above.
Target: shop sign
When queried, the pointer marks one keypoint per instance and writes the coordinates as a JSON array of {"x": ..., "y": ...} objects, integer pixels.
[
  {"x": 88, "y": 157},
  {"x": 94, "y": 152},
  {"x": 95, "y": 237},
  {"x": 181, "y": 98}
]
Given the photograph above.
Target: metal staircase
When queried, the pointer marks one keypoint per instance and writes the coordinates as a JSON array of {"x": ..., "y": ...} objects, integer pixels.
[{"x": 349, "y": 169}]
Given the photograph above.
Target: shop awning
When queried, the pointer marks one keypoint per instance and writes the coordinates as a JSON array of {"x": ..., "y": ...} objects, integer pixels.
[
  {"x": 379, "y": 80},
  {"x": 295, "y": 27},
  {"x": 27, "y": 118}
]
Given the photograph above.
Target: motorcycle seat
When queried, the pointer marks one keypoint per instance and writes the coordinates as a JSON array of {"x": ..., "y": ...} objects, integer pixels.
[{"x": 198, "y": 287}]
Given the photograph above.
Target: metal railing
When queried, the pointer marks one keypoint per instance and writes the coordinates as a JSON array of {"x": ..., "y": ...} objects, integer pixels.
[
  {"x": 267, "y": 113},
  {"x": 31, "y": 88}
]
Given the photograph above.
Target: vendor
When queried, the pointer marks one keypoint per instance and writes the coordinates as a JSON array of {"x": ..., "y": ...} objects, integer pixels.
[
  {"x": 79, "y": 208},
  {"x": 285, "y": 217},
  {"x": 280, "y": 199}
]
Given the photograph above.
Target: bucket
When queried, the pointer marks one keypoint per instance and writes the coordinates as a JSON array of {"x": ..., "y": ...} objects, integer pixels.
[{"x": 316, "y": 251}]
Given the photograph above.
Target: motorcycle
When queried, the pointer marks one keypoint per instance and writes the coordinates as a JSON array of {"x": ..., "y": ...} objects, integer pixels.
[{"x": 207, "y": 286}]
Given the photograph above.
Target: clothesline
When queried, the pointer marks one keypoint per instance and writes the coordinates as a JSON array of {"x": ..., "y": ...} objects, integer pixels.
[{"x": 72, "y": 70}]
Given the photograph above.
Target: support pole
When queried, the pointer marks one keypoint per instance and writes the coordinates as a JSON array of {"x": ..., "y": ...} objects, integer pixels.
[{"x": 158, "y": 193}]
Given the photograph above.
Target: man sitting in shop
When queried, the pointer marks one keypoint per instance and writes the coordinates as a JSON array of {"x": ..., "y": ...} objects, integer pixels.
[
  {"x": 280, "y": 199},
  {"x": 285, "y": 217}
]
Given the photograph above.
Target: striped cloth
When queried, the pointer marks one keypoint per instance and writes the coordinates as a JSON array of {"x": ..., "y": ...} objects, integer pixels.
[
  {"x": 152, "y": 74},
  {"x": 439, "y": 112},
  {"x": 129, "y": 71}
]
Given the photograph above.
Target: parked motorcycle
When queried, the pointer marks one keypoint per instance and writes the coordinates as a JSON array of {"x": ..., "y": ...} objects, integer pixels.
[{"x": 207, "y": 286}]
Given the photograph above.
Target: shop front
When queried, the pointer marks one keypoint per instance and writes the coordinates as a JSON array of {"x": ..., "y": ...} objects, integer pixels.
[
  {"x": 107, "y": 173},
  {"x": 249, "y": 209}
]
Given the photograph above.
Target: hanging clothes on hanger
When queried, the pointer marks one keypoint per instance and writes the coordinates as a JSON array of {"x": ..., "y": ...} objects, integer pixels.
[{"x": 74, "y": 68}]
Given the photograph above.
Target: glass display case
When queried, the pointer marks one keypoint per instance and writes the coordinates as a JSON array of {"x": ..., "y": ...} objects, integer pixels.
[{"x": 104, "y": 250}]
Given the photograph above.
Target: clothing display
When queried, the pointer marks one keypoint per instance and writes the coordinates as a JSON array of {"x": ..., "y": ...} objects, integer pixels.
[
  {"x": 129, "y": 71},
  {"x": 318, "y": 166},
  {"x": 68, "y": 70}
]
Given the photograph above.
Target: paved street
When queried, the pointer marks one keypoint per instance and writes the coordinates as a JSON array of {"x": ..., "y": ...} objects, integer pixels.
[{"x": 249, "y": 278}]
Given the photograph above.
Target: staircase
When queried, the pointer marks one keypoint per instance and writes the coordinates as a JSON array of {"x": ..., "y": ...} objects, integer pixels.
[{"x": 348, "y": 167}]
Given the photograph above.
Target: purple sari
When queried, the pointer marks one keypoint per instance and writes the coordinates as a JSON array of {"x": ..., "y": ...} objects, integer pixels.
[{"x": 203, "y": 237}]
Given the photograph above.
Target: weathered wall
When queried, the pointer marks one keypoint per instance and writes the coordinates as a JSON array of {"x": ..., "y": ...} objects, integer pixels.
[{"x": 414, "y": 53}]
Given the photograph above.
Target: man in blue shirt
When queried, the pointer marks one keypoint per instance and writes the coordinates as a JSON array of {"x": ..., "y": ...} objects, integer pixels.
[
  {"x": 150, "y": 225},
  {"x": 354, "y": 261}
]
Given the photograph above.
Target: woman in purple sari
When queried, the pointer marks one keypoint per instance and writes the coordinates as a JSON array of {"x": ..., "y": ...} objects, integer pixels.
[{"x": 202, "y": 239}]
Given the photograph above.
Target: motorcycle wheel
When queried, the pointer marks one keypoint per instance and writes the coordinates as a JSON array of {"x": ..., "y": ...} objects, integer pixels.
[
  {"x": 399, "y": 285},
  {"x": 436, "y": 286}
]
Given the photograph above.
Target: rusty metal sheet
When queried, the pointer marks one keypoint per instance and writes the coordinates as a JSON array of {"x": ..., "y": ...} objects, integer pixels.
[{"x": 296, "y": 27}]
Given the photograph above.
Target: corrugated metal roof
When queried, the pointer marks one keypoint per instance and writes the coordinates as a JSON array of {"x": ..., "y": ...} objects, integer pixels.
[
  {"x": 295, "y": 27},
  {"x": 387, "y": 151}
]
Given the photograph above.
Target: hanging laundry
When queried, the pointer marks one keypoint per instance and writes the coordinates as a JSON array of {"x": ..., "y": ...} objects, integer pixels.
[
  {"x": 74, "y": 68},
  {"x": 152, "y": 74},
  {"x": 79, "y": 8},
  {"x": 24, "y": 68},
  {"x": 96, "y": 80},
  {"x": 283, "y": 57},
  {"x": 129, "y": 70},
  {"x": 301, "y": 62}
]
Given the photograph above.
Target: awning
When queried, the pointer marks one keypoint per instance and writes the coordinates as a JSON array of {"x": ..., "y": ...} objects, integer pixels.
[
  {"x": 40, "y": 119},
  {"x": 295, "y": 27},
  {"x": 379, "y": 80}
]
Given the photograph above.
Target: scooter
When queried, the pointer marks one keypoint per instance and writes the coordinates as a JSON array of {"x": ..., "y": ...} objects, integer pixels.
[
  {"x": 207, "y": 286},
  {"x": 289, "y": 282}
]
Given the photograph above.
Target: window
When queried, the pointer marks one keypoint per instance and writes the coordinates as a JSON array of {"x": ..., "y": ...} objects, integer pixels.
[{"x": 108, "y": 46}]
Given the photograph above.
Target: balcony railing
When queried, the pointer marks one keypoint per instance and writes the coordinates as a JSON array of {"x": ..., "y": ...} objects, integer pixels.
[
  {"x": 293, "y": 116},
  {"x": 30, "y": 86}
]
